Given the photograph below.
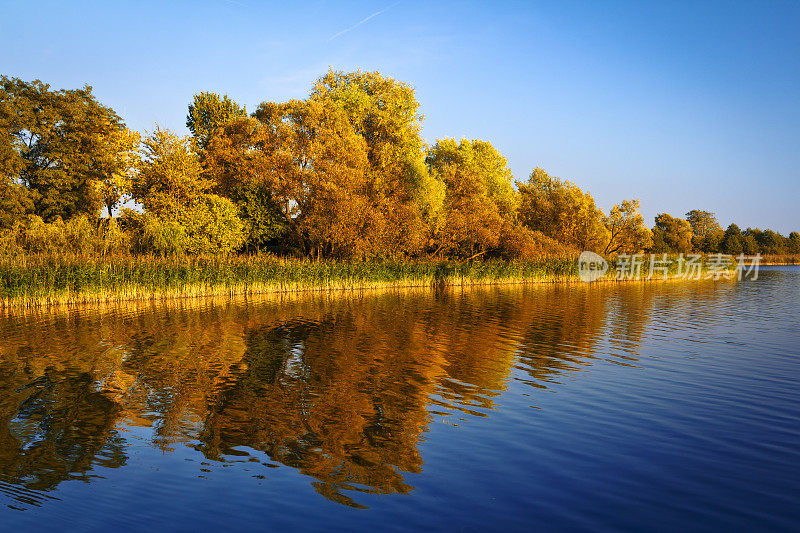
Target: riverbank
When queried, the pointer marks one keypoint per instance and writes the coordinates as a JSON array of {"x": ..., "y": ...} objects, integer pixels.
[
  {"x": 41, "y": 280},
  {"x": 791, "y": 259}
]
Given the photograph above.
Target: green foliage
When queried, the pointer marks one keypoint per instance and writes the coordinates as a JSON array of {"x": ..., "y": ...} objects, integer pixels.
[
  {"x": 75, "y": 278},
  {"x": 706, "y": 231},
  {"x": 732, "y": 241},
  {"x": 169, "y": 174},
  {"x": 153, "y": 235},
  {"x": 79, "y": 235},
  {"x": 212, "y": 225},
  {"x": 54, "y": 143},
  {"x": 262, "y": 218},
  {"x": 671, "y": 234}
]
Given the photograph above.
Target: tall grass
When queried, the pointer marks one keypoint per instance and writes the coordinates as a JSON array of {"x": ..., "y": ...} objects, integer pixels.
[
  {"x": 783, "y": 259},
  {"x": 41, "y": 279},
  {"x": 47, "y": 278}
]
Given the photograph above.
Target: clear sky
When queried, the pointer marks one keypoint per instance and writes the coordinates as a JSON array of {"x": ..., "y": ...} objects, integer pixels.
[{"x": 682, "y": 104}]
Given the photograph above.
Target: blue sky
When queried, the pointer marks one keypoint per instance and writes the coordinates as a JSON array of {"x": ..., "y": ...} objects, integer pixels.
[{"x": 682, "y": 104}]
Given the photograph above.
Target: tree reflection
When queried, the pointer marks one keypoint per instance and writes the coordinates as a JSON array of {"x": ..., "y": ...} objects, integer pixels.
[{"x": 340, "y": 388}]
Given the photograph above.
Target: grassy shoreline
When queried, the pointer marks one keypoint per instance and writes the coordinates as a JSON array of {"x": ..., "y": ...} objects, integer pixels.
[
  {"x": 42, "y": 280},
  {"x": 34, "y": 280}
]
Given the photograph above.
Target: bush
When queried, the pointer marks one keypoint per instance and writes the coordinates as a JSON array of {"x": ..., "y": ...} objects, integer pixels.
[
  {"x": 152, "y": 235},
  {"x": 213, "y": 226},
  {"x": 41, "y": 237},
  {"x": 519, "y": 242},
  {"x": 114, "y": 239},
  {"x": 80, "y": 236}
]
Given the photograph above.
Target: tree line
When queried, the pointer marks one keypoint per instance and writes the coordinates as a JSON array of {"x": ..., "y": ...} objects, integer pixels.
[{"x": 343, "y": 174}]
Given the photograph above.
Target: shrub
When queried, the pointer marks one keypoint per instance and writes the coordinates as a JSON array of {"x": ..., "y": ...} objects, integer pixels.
[
  {"x": 152, "y": 235},
  {"x": 519, "y": 242},
  {"x": 41, "y": 237},
  {"x": 212, "y": 225},
  {"x": 80, "y": 236},
  {"x": 114, "y": 239}
]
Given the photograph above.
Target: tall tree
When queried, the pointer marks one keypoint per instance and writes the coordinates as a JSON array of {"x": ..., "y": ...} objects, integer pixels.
[
  {"x": 706, "y": 231},
  {"x": 562, "y": 211},
  {"x": 169, "y": 174},
  {"x": 674, "y": 233},
  {"x": 209, "y": 111},
  {"x": 732, "y": 241},
  {"x": 54, "y": 143},
  {"x": 169, "y": 183},
  {"x": 304, "y": 163},
  {"x": 479, "y": 195},
  {"x": 627, "y": 231},
  {"x": 384, "y": 112}
]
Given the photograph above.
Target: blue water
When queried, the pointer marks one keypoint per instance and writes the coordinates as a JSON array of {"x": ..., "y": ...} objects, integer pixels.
[{"x": 651, "y": 406}]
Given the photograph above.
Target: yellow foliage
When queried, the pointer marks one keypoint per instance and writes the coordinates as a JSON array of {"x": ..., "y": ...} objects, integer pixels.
[
  {"x": 562, "y": 211},
  {"x": 627, "y": 231}
]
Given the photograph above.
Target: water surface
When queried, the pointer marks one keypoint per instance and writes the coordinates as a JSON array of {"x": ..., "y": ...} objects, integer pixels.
[{"x": 656, "y": 406}]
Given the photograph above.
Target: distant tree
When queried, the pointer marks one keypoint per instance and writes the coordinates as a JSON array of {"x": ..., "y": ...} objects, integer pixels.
[
  {"x": 672, "y": 234},
  {"x": 626, "y": 228},
  {"x": 794, "y": 243},
  {"x": 209, "y": 111},
  {"x": 53, "y": 143},
  {"x": 771, "y": 242},
  {"x": 732, "y": 241},
  {"x": 479, "y": 195},
  {"x": 706, "y": 231},
  {"x": 750, "y": 241},
  {"x": 562, "y": 211}
]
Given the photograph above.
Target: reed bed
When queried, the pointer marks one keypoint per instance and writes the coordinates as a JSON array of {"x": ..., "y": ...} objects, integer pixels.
[
  {"x": 30, "y": 280},
  {"x": 783, "y": 259},
  {"x": 34, "y": 280}
]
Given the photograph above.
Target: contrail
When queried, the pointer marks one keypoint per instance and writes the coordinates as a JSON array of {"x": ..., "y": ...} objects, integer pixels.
[{"x": 363, "y": 21}]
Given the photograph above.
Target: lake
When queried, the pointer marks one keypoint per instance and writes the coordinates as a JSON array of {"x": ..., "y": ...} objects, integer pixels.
[{"x": 640, "y": 406}]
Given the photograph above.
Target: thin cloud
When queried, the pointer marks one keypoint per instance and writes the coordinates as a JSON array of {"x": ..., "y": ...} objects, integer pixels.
[{"x": 362, "y": 21}]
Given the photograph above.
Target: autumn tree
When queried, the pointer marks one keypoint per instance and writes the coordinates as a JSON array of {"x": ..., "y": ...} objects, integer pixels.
[
  {"x": 240, "y": 158},
  {"x": 299, "y": 171},
  {"x": 118, "y": 166},
  {"x": 627, "y": 231},
  {"x": 385, "y": 113},
  {"x": 170, "y": 186},
  {"x": 209, "y": 111},
  {"x": 479, "y": 195},
  {"x": 15, "y": 199},
  {"x": 54, "y": 143},
  {"x": 671, "y": 234},
  {"x": 561, "y": 210}
]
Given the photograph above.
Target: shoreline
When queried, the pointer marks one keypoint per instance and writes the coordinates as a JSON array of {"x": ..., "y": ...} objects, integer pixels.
[
  {"x": 44, "y": 281},
  {"x": 139, "y": 295}
]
